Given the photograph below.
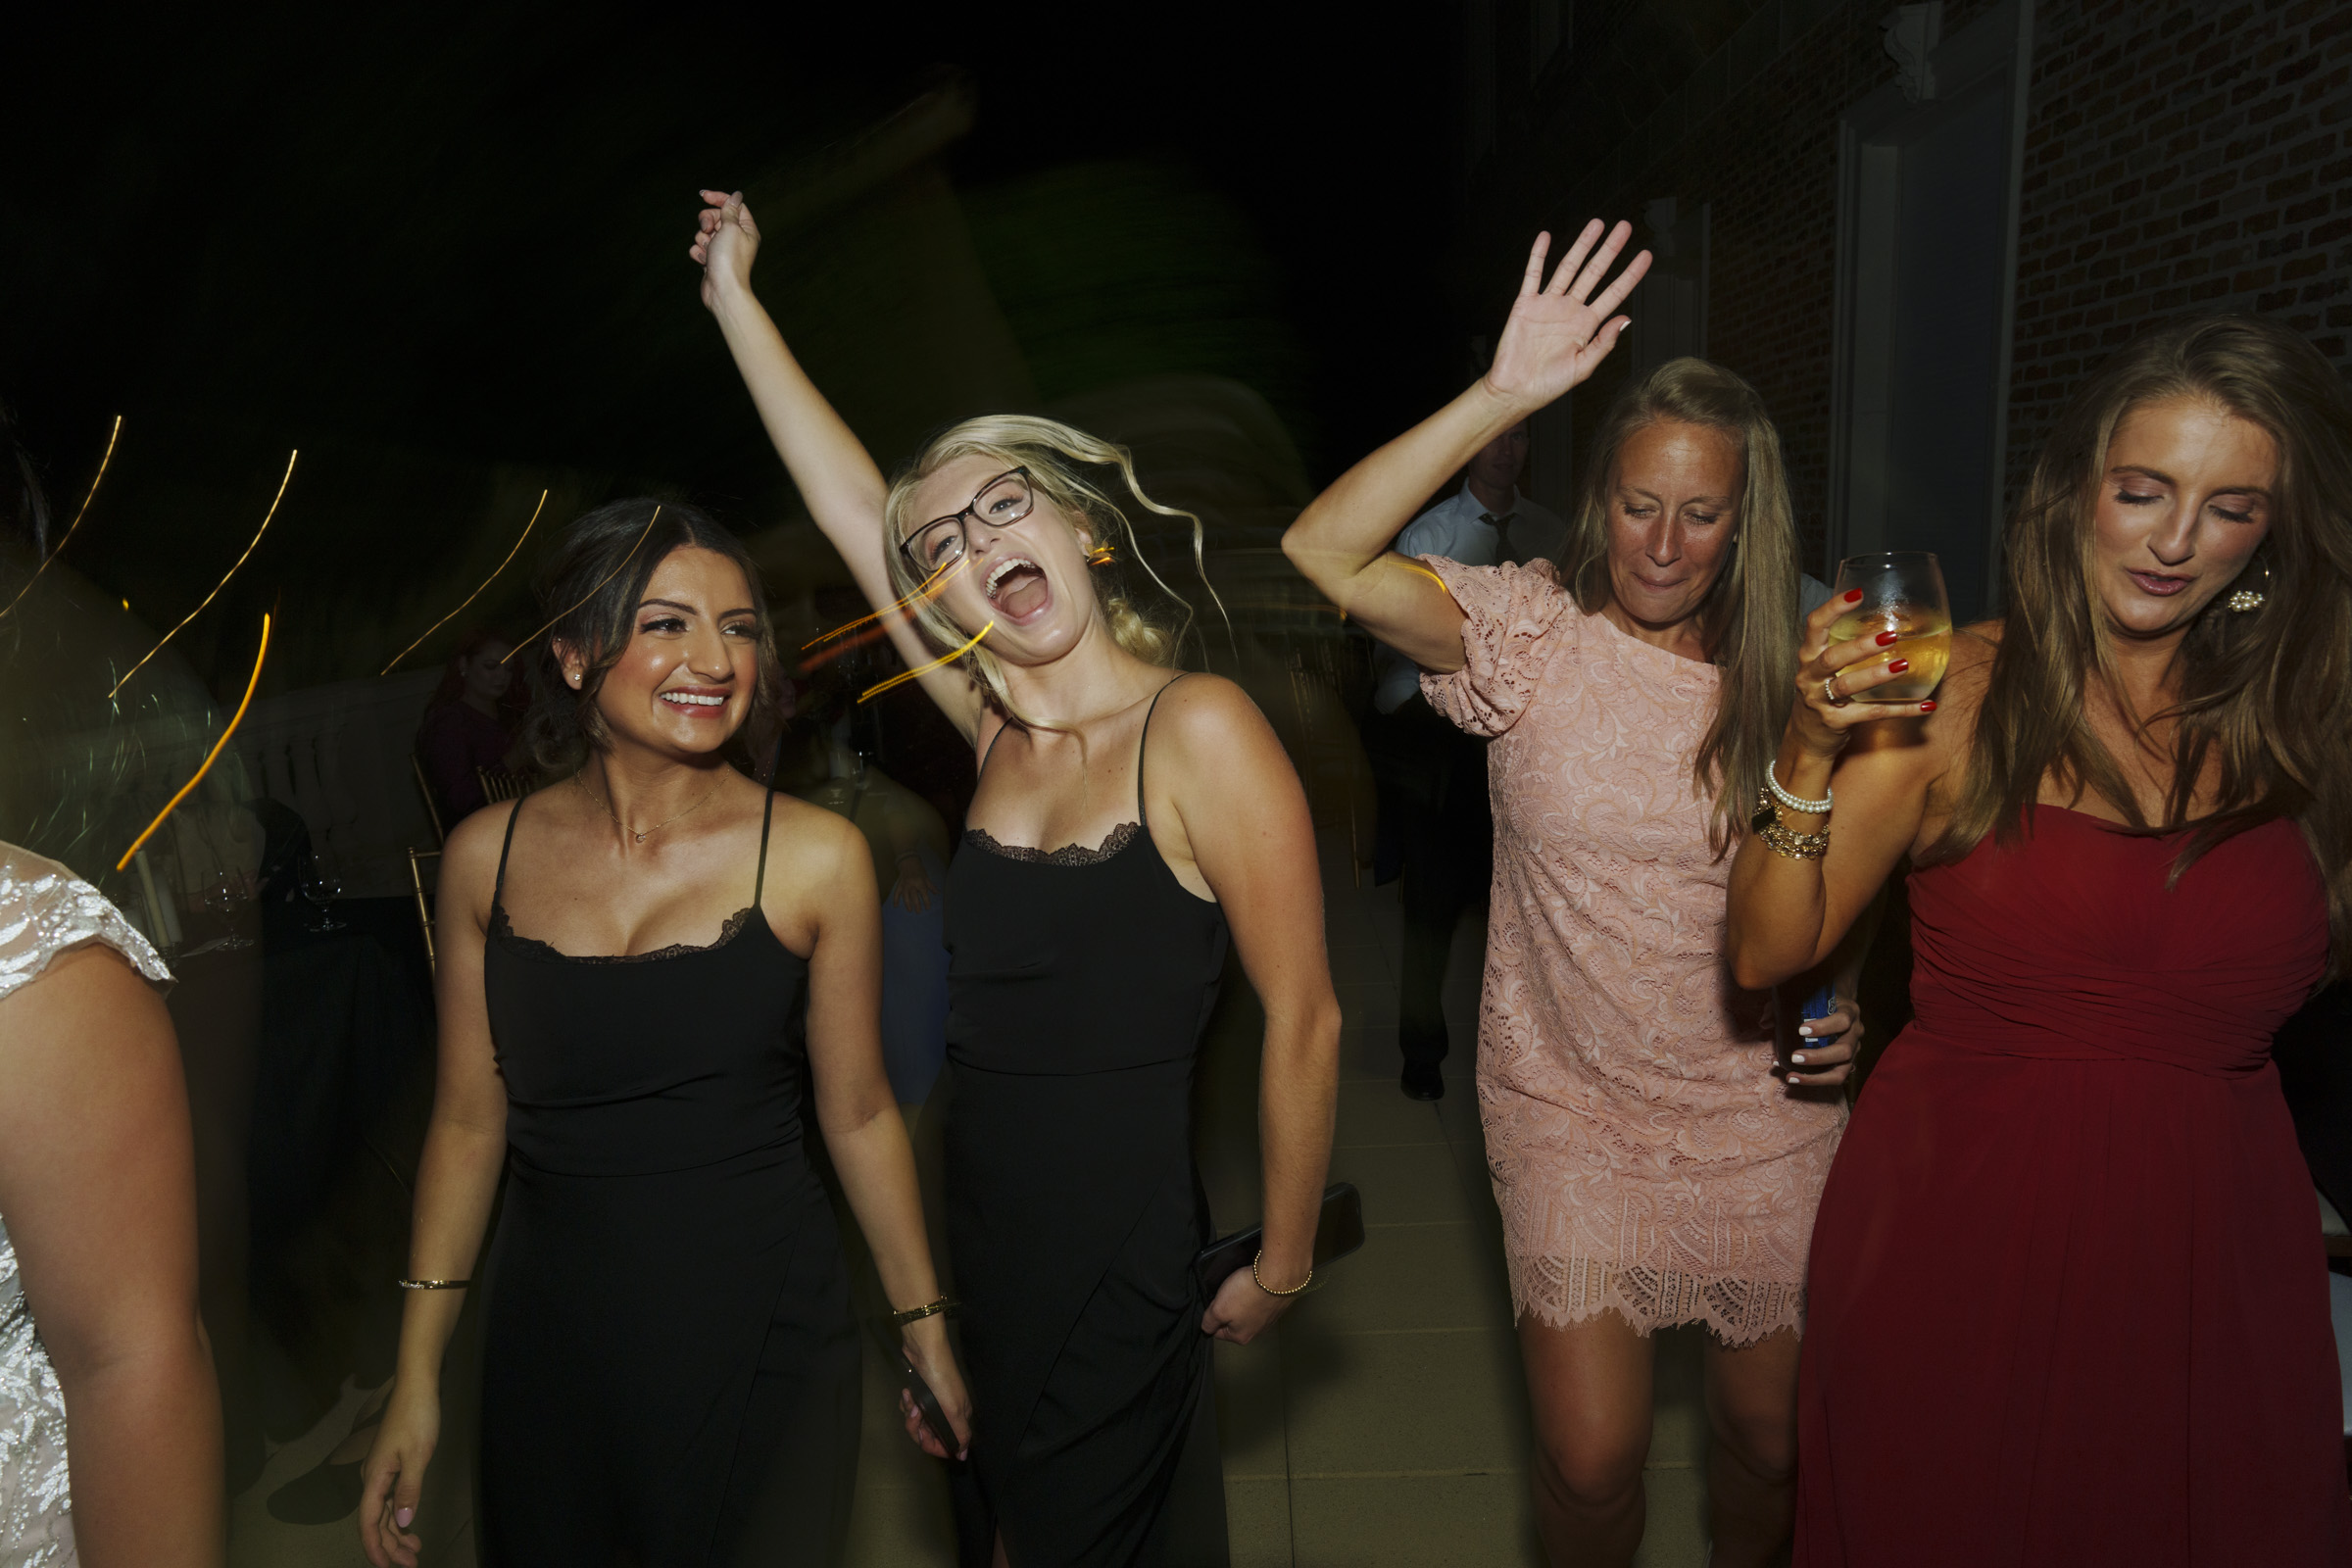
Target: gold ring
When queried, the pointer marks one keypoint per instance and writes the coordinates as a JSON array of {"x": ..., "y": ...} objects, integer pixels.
[{"x": 1830, "y": 689}]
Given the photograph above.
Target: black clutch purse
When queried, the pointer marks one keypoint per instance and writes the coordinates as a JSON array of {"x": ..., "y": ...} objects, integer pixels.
[{"x": 1339, "y": 1231}]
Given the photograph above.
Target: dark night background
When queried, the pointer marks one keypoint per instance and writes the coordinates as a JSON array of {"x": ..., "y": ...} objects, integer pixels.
[{"x": 443, "y": 253}]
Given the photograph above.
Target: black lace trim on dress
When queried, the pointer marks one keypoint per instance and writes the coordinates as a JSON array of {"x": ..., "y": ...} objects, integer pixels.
[
  {"x": 1068, "y": 855},
  {"x": 504, "y": 929}
]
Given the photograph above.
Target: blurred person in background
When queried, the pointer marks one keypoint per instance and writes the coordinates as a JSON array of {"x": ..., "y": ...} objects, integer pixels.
[
  {"x": 1436, "y": 833},
  {"x": 1655, "y": 1161},
  {"x": 110, "y": 1417},
  {"x": 909, "y": 847},
  {"x": 670, "y": 1371},
  {"x": 468, "y": 726}
]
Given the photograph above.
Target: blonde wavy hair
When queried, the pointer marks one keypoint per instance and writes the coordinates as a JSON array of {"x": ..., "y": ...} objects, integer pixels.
[
  {"x": 1058, "y": 456},
  {"x": 1749, "y": 620}
]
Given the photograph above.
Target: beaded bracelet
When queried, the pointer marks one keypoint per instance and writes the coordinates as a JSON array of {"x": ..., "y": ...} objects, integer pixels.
[
  {"x": 1772, "y": 783},
  {"x": 434, "y": 1285},
  {"x": 1270, "y": 1290}
]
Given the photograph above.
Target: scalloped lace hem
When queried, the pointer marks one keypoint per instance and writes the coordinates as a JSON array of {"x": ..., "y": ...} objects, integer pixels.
[
  {"x": 1565, "y": 1291},
  {"x": 1068, "y": 855},
  {"x": 504, "y": 929}
]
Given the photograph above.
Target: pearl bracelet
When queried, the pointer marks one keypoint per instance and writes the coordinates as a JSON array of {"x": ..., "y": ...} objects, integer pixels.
[{"x": 1788, "y": 802}]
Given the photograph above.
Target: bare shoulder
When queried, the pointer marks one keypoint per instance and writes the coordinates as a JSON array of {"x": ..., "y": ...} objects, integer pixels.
[
  {"x": 808, "y": 845},
  {"x": 1203, "y": 712},
  {"x": 469, "y": 857},
  {"x": 88, "y": 987}
]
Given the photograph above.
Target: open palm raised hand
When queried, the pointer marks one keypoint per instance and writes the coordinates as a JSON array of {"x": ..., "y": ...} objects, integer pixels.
[{"x": 1559, "y": 332}]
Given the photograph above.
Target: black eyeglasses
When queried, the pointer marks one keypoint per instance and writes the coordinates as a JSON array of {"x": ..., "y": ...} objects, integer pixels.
[{"x": 943, "y": 541}]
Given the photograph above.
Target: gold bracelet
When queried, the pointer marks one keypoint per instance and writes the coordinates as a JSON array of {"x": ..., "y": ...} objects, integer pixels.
[
  {"x": 915, "y": 1314},
  {"x": 1780, "y": 838},
  {"x": 1270, "y": 1290},
  {"x": 434, "y": 1285}
]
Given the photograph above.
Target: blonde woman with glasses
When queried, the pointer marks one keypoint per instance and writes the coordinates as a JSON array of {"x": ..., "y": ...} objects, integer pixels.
[{"x": 1129, "y": 822}]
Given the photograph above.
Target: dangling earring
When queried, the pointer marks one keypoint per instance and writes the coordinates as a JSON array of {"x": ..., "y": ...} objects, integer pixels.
[{"x": 2246, "y": 599}]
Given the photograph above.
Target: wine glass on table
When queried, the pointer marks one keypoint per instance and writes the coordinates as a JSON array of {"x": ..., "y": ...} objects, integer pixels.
[
  {"x": 321, "y": 886},
  {"x": 221, "y": 897},
  {"x": 1902, "y": 592}
]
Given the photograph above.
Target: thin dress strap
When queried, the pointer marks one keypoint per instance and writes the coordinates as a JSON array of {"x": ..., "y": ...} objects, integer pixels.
[
  {"x": 992, "y": 749},
  {"x": 498, "y": 889},
  {"x": 1140, "y": 742},
  {"x": 766, "y": 815}
]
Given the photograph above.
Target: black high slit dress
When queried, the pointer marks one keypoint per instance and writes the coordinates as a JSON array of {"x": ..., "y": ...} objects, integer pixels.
[
  {"x": 671, "y": 1374},
  {"x": 1080, "y": 983}
]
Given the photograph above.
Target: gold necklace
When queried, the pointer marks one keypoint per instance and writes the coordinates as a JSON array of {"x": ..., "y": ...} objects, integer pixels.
[{"x": 582, "y": 782}]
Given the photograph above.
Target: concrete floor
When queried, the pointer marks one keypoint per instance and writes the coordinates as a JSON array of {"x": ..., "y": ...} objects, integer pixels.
[{"x": 1384, "y": 1423}]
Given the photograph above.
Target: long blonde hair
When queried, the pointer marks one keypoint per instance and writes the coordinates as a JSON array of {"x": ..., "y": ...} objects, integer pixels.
[
  {"x": 1749, "y": 620},
  {"x": 2268, "y": 692},
  {"x": 1056, "y": 457}
]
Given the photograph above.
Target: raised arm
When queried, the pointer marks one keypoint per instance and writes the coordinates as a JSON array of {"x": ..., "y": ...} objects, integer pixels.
[
  {"x": 1557, "y": 334},
  {"x": 1878, "y": 762},
  {"x": 98, "y": 1181},
  {"x": 457, "y": 1178},
  {"x": 828, "y": 463}
]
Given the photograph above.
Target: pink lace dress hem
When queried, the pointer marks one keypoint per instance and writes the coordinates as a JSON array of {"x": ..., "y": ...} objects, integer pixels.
[{"x": 1646, "y": 1159}]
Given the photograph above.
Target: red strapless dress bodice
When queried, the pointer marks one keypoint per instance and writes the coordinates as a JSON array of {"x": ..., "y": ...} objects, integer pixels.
[{"x": 2067, "y": 1301}]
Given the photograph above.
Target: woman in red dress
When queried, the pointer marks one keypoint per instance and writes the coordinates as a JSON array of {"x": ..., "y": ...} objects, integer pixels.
[{"x": 2067, "y": 1301}]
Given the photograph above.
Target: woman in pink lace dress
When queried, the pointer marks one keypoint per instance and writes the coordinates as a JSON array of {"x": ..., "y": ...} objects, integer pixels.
[{"x": 1655, "y": 1163}]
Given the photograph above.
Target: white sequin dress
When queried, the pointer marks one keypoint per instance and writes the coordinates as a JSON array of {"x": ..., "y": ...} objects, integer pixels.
[{"x": 44, "y": 910}]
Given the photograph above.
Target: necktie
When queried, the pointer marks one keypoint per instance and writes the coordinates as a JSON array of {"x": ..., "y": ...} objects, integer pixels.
[{"x": 1504, "y": 554}]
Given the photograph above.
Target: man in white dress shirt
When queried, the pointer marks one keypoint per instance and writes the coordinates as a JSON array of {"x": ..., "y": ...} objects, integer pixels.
[{"x": 1435, "y": 827}]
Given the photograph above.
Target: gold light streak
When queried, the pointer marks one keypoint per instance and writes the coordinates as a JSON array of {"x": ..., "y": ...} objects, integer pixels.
[
  {"x": 213, "y": 756},
  {"x": 930, "y": 588},
  {"x": 77, "y": 516},
  {"x": 593, "y": 592},
  {"x": 905, "y": 675},
  {"x": 845, "y": 645},
  {"x": 223, "y": 583},
  {"x": 477, "y": 593}
]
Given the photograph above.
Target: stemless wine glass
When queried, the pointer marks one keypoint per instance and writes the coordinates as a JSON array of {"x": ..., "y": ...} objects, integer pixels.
[
  {"x": 1902, "y": 592},
  {"x": 321, "y": 886}
]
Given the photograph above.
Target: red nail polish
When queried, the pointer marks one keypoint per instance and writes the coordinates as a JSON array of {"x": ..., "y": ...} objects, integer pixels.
[
  {"x": 1884, "y": 638},
  {"x": 1927, "y": 706},
  {"x": 1853, "y": 596},
  {"x": 1895, "y": 666}
]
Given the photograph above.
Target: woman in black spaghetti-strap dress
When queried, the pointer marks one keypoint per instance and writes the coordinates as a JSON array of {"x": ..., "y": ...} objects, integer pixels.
[
  {"x": 666, "y": 1191},
  {"x": 1088, "y": 916},
  {"x": 670, "y": 1371},
  {"x": 1080, "y": 981}
]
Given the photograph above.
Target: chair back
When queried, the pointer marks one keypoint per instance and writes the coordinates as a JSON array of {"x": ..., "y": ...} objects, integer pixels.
[
  {"x": 498, "y": 784},
  {"x": 424, "y": 790},
  {"x": 425, "y": 905}
]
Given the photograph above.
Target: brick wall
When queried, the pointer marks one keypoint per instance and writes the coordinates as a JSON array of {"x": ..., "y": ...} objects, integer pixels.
[
  {"x": 2183, "y": 155},
  {"x": 2179, "y": 158}
]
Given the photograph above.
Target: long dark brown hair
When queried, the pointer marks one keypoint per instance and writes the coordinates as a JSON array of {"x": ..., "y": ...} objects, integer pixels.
[
  {"x": 1749, "y": 620},
  {"x": 2266, "y": 693},
  {"x": 600, "y": 571}
]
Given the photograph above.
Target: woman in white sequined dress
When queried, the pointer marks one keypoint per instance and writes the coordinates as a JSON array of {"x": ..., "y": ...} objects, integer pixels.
[{"x": 109, "y": 1420}]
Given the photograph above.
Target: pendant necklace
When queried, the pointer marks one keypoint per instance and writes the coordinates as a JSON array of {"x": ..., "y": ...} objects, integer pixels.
[{"x": 581, "y": 781}]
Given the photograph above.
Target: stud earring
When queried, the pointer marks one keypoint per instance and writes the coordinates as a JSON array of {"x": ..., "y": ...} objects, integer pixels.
[{"x": 2247, "y": 599}]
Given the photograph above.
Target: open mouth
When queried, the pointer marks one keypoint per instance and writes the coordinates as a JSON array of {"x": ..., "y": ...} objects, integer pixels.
[
  {"x": 2163, "y": 587},
  {"x": 1016, "y": 585},
  {"x": 696, "y": 702}
]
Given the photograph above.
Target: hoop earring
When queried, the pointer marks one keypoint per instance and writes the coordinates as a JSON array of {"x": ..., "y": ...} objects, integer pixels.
[
  {"x": 1100, "y": 556},
  {"x": 2249, "y": 599}
]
